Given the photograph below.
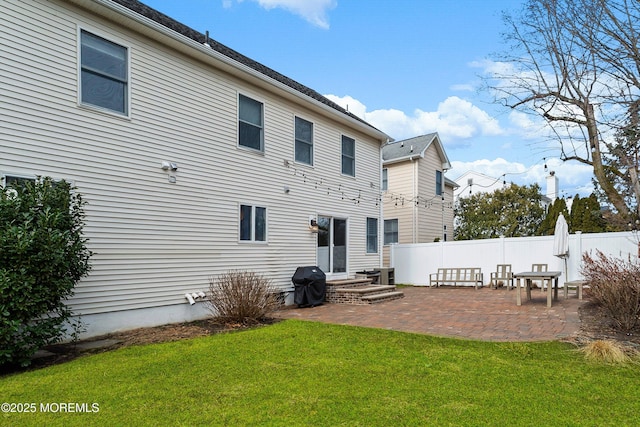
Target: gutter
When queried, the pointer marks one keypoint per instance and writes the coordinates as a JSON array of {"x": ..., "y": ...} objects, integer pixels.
[{"x": 403, "y": 159}]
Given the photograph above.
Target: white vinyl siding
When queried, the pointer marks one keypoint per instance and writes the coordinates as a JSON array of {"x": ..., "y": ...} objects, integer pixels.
[
  {"x": 397, "y": 202},
  {"x": 432, "y": 218},
  {"x": 155, "y": 239}
]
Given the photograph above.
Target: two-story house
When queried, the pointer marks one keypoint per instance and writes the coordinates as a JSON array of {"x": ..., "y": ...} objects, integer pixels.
[
  {"x": 417, "y": 197},
  {"x": 194, "y": 159}
]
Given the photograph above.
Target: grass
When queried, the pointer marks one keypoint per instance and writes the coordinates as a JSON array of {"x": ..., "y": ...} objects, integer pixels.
[{"x": 313, "y": 374}]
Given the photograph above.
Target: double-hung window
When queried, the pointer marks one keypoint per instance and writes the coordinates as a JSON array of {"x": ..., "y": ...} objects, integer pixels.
[
  {"x": 253, "y": 223},
  {"x": 385, "y": 179},
  {"x": 304, "y": 141},
  {"x": 348, "y": 156},
  {"x": 390, "y": 231},
  {"x": 104, "y": 80},
  {"x": 372, "y": 235},
  {"x": 250, "y": 123},
  {"x": 438, "y": 183}
]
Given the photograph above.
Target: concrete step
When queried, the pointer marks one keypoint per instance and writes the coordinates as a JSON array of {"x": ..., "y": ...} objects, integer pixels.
[
  {"x": 383, "y": 297},
  {"x": 348, "y": 283},
  {"x": 365, "y": 290}
]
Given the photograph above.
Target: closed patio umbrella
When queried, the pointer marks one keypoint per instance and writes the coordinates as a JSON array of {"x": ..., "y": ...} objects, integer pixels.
[{"x": 561, "y": 241}]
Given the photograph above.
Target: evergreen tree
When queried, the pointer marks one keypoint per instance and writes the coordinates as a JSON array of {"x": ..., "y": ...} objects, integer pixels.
[
  {"x": 514, "y": 211},
  {"x": 586, "y": 215},
  {"x": 548, "y": 224}
]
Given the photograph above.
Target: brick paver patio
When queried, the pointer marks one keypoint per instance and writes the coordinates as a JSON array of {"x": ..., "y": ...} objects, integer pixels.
[{"x": 461, "y": 312}]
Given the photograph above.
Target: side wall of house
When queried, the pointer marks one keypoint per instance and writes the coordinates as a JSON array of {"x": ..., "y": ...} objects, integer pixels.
[
  {"x": 154, "y": 240},
  {"x": 398, "y": 201},
  {"x": 398, "y": 198},
  {"x": 431, "y": 215}
]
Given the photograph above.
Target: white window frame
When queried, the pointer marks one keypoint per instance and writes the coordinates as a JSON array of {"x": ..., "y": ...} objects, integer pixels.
[
  {"x": 347, "y": 156},
  {"x": 253, "y": 224},
  {"x": 396, "y": 232},
  {"x": 262, "y": 106},
  {"x": 127, "y": 94},
  {"x": 295, "y": 140},
  {"x": 16, "y": 176}
]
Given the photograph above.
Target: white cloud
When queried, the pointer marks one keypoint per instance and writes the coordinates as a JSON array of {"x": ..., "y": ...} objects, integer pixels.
[
  {"x": 463, "y": 87},
  {"x": 456, "y": 120},
  {"x": 460, "y": 123},
  {"x": 313, "y": 11},
  {"x": 351, "y": 104}
]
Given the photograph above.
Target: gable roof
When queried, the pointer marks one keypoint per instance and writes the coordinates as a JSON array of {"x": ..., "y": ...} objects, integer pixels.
[
  {"x": 414, "y": 148},
  {"x": 241, "y": 61}
]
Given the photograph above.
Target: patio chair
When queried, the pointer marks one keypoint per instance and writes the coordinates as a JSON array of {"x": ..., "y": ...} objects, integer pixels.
[
  {"x": 539, "y": 267},
  {"x": 503, "y": 274}
]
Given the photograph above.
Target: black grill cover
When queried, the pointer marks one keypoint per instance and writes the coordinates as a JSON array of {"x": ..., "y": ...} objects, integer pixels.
[{"x": 310, "y": 285}]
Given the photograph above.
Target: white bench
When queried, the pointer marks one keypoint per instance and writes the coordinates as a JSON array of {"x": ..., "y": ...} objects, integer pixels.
[{"x": 454, "y": 276}]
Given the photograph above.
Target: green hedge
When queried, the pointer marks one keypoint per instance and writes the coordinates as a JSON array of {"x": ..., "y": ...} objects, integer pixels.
[{"x": 42, "y": 256}]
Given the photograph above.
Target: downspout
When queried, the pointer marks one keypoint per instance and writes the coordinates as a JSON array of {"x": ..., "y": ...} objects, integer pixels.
[
  {"x": 414, "y": 213},
  {"x": 380, "y": 211}
]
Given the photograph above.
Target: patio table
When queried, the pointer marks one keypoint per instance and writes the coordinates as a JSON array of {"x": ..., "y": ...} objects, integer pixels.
[{"x": 545, "y": 276}]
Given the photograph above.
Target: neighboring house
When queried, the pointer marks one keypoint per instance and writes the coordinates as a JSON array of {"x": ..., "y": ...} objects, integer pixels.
[
  {"x": 417, "y": 197},
  {"x": 194, "y": 159},
  {"x": 471, "y": 182}
]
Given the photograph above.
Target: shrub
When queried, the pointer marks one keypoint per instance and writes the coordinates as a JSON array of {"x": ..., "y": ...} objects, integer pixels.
[
  {"x": 242, "y": 297},
  {"x": 605, "y": 351},
  {"x": 42, "y": 257},
  {"x": 615, "y": 285}
]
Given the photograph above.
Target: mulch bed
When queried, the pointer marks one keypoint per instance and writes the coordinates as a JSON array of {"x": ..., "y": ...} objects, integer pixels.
[{"x": 595, "y": 324}]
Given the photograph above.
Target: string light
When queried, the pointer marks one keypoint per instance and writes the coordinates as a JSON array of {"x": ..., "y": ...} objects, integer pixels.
[{"x": 371, "y": 193}]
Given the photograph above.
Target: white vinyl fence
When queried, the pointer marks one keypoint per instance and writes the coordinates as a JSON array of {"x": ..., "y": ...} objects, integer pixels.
[{"x": 414, "y": 262}]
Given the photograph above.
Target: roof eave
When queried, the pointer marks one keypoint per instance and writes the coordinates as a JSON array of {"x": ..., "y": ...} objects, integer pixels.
[
  {"x": 403, "y": 159},
  {"x": 116, "y": 12}
]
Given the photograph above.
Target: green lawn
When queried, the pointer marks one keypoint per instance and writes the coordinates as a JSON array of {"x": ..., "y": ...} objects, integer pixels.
[{"x": 314, "y": 374}]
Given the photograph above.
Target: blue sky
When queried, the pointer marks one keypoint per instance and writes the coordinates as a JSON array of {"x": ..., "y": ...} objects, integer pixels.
[{"x": 408, "y": 67}]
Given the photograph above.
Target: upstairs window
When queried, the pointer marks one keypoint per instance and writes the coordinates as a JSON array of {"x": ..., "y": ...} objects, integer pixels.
[
  {"x": 348, "y": 156},
  {"x": 250, "y": 123},
  {"x": 253, "y": 223},
  {"x": 103, "y": 73},
  {"x": 385, "y": 179},
  {"x": 304, "y": 141},
  {"x": 438, "y": 183}
]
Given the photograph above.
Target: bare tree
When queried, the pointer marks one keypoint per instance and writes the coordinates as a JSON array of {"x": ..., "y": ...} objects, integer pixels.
[{"x": 576, "y": 64}]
